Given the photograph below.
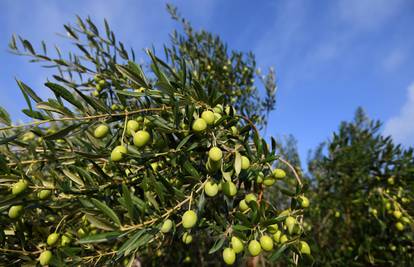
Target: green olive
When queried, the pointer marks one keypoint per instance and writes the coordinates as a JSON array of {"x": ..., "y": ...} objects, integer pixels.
[
  {"x": 245, "y": 163},
  {"x": 19, "y": 187},
  {"x": 101, "y": 131},
  {"x": 199, "y": 125},
  {"x": 304, "y": 201},
  {"x": 254, "y": 248},
  {"x": 290, "y": 223},
  {"x": 132, "y": 127},
  {"x": 279, "y": 173},
  {"x": 250, "y": 197},
  {"x": 266, "y": 243},
  {"x": 208, "y": 116},
  {"x": 141, "y": 138},
  {"x": 15, "y": 211},
  {"x": 189, "y": 219},
  {"x": 118, "y": 153},
  {"x": 52, "y": 239},
  {"x": 237, "y": 244},
  {"x": 229, "y": 256},
  {"x": 243, "y": 205},
  {"x": 166, "y": 226},
  {"x": 65, "y": 240},
  {"x": 44, "y": 194},
  {"x": 277, "y": 236},
  {"x": 45, "y": 257},
  {"x": 215, "y": 154},
  {"x": 211, "y": 189},
  {"x": 229, "y": 189},
  {"x": 187, "y": 238},
  {"x": 304, "y": 248}
]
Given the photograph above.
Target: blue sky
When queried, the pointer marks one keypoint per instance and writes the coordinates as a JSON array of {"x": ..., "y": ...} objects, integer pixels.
[{"x": 330, "y": 56}]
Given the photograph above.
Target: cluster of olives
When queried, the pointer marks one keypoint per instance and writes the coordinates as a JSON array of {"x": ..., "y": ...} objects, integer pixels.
[{"x": 100, "y": 84}]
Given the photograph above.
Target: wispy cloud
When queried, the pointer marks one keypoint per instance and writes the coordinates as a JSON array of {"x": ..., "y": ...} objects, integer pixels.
[{"x": 401, "y": 127}]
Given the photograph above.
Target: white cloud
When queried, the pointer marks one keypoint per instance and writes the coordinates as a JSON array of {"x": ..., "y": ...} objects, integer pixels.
[
  {"x": 401, "y": 127},
  {"x": 368, "y": 14}
]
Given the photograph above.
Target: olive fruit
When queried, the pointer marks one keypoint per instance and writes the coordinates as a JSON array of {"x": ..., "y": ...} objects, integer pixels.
[
  {"x": 273, "y": 228},
  {"x": 243, "y": 205},
  {"x": 250, "y": 197},
  {"x": 229, "y": 189},
  {"x": 141, "y": 138},
  {"x": 189, "y": 219},
  {"x": 65, "y": 240},
  {"x": 208, "y": 116},
  {"x": 290, "y": 223},
  {"x": 132, "y": 126},
  {"x": 199, "y": 125},
  {"x": 337, "y": 214},
  {"x": 215, "y": 154},
  {"x": 304, "y": 248},
  {"x": 279, "y": 173},
  {"x": 254, "y": 248},
  {"x": 245, "y": 163},
  {"x": 405, "y": 220},
  {"x": 101, "y": 131},
  {"x": 260, "y": 178},
  {"x": 397, "y": 214},
  {"x": 187, "y": 238},
  {"x": 45, "y": 257},
  {"x": 283, "y": 239},
  {"x": 234, "y": 130},
  {"x": 304, "y": 201},
  {"x": 52, "y": 239},
  {"x": 218, "y": 108},
  {"x": 211, "y": 189},
  {"x": 236, "y": 244},
  {"x": 15, "y": 211},
  {"x": 276, "y": 236},
  {"x": 268, "y": 181},
  {"x": 266, "y": 243},
  {"x": 391, "y": 180},
  {"x": 399, "y": 226},
  {"x": 44, "y": 194},
  {"x": 229, "y": 256},
  {"x": 118, "y": 153},
  {"x": 81, "y": 233},
  {"x": 19, "y": 187},
  {"x": 166, "y": 226},
  {"x": 29, "y": 136}
]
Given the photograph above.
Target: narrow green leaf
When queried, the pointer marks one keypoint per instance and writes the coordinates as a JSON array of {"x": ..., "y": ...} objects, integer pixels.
[
  {"x": 100, "y": 238},
  {"x": 63, "y": 132},
  {"x": 217, "y": 245},
  {"x": 65, "y": 94},
  {"x": 106, "y": 210}
]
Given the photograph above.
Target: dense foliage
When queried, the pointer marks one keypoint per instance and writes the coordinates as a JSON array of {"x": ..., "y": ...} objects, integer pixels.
[
  {"x": 127, "y": 163},
  {"x": 362, "y": 202}
]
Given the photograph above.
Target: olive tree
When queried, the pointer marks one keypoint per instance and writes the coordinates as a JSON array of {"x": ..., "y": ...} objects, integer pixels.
[
  {"x": 124, "y": 162},
  {"x": 362, "y": 211}
]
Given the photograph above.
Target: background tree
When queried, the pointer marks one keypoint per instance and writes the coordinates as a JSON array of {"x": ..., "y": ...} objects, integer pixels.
[
  {"x": 124, "y": 162},
  {"x": 362, "y": 198}
]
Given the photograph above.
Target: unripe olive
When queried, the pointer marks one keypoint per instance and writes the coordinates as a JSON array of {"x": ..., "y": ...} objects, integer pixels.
[
  {"x": 266, "y": 243},
  {"x": 273, "y": 228},
  {"x": 166, "y": 226},
  {"x": 397, "y": 214},
  {"x": 187, "y": 238},
  {"x": 399, "y": 226},
  {"x": 276, "y": 236},
  {"x": 15, "y": 211},
  {"x": 187, "y": 259},
  {"x": 405, "y": 220},
  {"x": 243, "y": 205},
  {"x": 211, "y": 189},
  {"x": 44, "y": 194},
  {"x": 304, "y": 201},
  {"x": 215, "y": 154},
  {"x": 236, "y": 244},
  {"x": 208, "y": 116},
  {"x": 199, "y": 125},
  {"x": 250, "y": 197},
  {"x": 337, "y": 214},
  {"x": 101, "y": 131},
  {"x": 393, "y": 247},
  {"x": 304, "y": 248},
  {"x": 234, "y": 130},
  {"x": 229, "y": 189},
  {"x": 132, "y": 126},
  {"x": 19, "y": 187},
  {"x": 98, "y": 89},
  {"x": 260, "y": 178},
  {"x": 217, "y": 117},
  {"x": 229, "y": 256},
  {"x": 269, "y": 181},
  {"x": 141, "y": 138},
  {"x": 279, "y": 173},
  {"x": 45, "y": 257},
  {"x": 391, "y": 180},
  {"x": 290, "y": 223},
  {"x": 65, "y": 240},
  {"x": 52, "y": 239},
  {"x": 218, "y": 108},
  {"x": 283, "y": 239},
  {"x": 118, "y": 153},
  {"x": 245, "y": 163},
  {"x": 81, "y": 233},
  {"x": 189, "y": 219},
  {"x": 102, "y": 83},
  {"x": 29, "y": 136},
  {"x": 254, "y": 248}
]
